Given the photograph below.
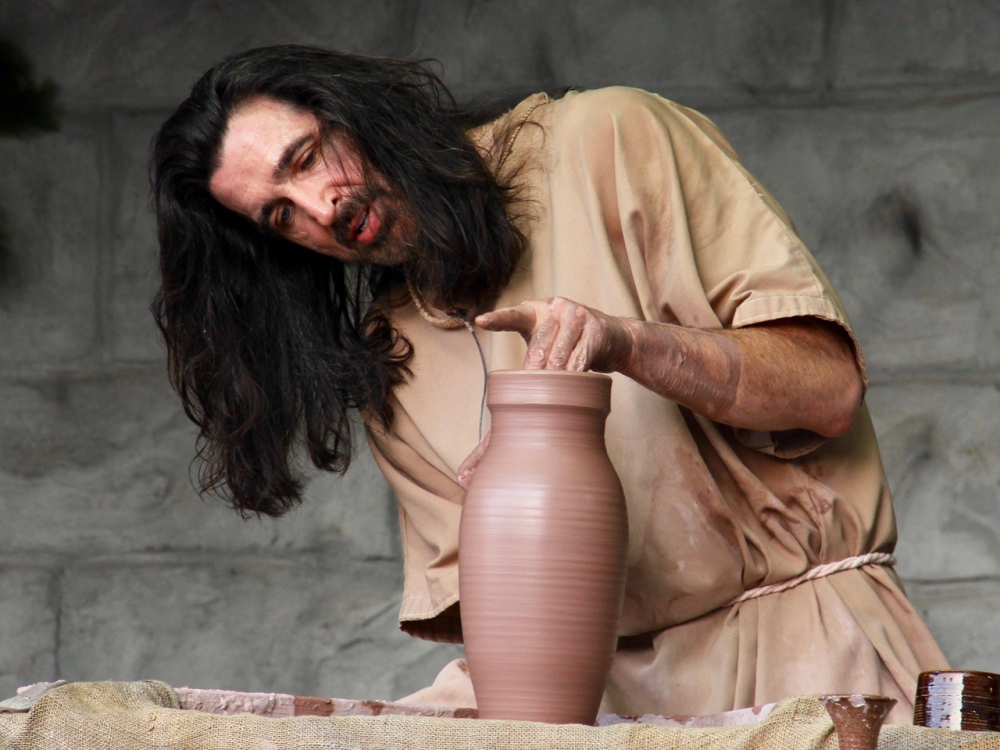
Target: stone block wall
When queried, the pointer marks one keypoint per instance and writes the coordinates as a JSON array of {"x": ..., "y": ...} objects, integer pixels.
[{"x": 874, "y": 123}]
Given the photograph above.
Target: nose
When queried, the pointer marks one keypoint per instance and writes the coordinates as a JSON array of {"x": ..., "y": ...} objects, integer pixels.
[{"x": 316, "y": 201}]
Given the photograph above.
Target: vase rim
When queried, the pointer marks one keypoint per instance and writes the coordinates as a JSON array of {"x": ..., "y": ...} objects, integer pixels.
[
  {"x": 836, "y": 697},
  {"x": 549, "y": 387},
  {"x": 550, "y": 373}
]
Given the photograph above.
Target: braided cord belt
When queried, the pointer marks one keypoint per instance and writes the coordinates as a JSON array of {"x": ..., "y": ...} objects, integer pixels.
[{"x": 820, "y": 571}]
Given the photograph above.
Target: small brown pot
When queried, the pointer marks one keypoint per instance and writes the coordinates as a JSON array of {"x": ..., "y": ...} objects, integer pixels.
[
  {"x": 542, "y": 550},
  {"x": 857, "y": 718}
]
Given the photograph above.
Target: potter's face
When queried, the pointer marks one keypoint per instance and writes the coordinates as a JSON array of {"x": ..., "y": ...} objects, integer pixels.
[{"x": 277, "y": 168}]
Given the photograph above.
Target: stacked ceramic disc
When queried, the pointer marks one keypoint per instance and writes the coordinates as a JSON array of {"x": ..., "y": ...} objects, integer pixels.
[{"x": 958, "y": 700}]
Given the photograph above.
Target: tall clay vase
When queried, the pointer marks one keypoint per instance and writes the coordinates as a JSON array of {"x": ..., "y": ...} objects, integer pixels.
[
  {"x": 542, "y": 550},
  {"x": 857, "y": 719}
]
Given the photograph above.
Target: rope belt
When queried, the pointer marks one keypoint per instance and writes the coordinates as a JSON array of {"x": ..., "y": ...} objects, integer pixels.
[{"x": 820, "y": 571}]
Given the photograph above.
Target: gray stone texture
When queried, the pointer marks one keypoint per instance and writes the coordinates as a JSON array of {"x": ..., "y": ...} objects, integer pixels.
[
  {"x": 874, "y": 124},
  {"x": 897, "y": 204},
  {"x": 131, "y": 246},
  {"x": 288, "y": 624},
  {"x": 963, "y": 615},
  {"x": 28, "y": 625},
  {"x": 669, "y": 47},
  {"x": 941, "y": 42},
  {"x": 141, "y": 55},
  {"x": 941, "y": 447},
  {"x": 48, "y": 316}
]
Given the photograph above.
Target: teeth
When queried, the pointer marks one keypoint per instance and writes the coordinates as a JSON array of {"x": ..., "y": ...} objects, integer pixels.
[{"x": 364, "y": 222}]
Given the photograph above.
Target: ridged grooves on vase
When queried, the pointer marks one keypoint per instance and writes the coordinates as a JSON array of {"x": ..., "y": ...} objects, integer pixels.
[{"x": 542, "y": 550}]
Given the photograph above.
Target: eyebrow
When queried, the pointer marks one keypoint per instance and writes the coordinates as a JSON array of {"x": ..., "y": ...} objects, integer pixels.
[{"x": 287, "y": 156}]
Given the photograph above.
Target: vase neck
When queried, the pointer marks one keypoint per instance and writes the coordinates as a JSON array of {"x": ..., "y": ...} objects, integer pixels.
[
  {"x": 547, "y": 424},
  {"x": 549, "y": 388}
]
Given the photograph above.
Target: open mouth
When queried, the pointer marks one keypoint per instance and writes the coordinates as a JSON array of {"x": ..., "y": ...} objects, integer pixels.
[
  {"x": 359, "y": 223},
  {"x": 363, "y": 225},
  {"x": 366, "y": 225}
]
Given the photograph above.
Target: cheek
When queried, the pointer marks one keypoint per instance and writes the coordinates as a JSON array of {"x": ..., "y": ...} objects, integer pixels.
[
  {"x": 304, "y": 233},
  {"x": 316, "y": 238}
]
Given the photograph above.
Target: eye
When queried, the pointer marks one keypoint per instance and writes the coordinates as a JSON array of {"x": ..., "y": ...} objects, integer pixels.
[
  {"x": 282, "y": 217},
  {"x": 308, "y": 160}
]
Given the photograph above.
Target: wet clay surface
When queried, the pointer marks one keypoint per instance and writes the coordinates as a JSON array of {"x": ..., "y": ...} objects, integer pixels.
[
  {"x": 857, "y": 718},
  {"x": 27, "y": 696},
  {"x": 281, "y": 705},
  {"x": 738, "y": 717},
  {"x": 542, "y": 548},
  {"x": 278, "y": 705}
]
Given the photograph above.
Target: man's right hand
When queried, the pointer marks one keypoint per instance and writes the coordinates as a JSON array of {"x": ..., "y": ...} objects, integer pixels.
[{"x": 564, "y": 335}]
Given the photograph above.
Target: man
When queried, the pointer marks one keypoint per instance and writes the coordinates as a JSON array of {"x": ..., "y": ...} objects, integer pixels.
[{"x": 327, "y": 223}]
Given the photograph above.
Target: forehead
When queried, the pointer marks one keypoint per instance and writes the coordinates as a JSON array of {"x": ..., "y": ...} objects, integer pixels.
[{"x": 257, "y": 135}]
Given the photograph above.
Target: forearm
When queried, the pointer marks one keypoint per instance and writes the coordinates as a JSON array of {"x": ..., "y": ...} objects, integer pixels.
[{"x": 794, "y": 374}]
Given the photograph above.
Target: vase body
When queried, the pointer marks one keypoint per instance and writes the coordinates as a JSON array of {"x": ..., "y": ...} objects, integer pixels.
[{"x": 542, "y": 550}]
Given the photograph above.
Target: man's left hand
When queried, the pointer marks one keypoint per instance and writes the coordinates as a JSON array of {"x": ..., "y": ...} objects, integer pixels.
[{"x": 564, "y": 335}]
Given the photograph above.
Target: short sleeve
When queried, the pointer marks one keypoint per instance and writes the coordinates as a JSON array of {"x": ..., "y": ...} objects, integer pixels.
[{"x": 704, "y": 244}]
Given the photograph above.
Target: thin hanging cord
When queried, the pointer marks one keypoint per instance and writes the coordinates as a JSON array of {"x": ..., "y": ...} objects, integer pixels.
[
  {"x": 456, "y": 318},
  {"x": 461, "y": 315}
]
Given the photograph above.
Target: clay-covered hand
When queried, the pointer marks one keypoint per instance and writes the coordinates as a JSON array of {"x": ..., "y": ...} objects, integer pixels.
[{"x": 564, "y": 335}]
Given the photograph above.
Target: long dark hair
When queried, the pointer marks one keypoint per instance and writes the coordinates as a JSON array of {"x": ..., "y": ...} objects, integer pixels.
[{"x": 271, "y": 346}]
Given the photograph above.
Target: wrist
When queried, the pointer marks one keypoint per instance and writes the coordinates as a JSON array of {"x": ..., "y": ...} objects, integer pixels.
[{"x": 629, "y": 335}]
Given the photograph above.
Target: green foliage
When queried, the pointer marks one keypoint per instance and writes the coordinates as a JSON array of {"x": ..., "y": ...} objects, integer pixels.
[{"x": 26, "y": 107}]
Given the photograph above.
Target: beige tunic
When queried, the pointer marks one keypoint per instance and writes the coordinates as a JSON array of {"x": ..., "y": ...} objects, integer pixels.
[{"x": 640, "y": 208}]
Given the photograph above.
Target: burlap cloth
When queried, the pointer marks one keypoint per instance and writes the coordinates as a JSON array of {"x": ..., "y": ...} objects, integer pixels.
[{"x": 133, "y": 715}]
